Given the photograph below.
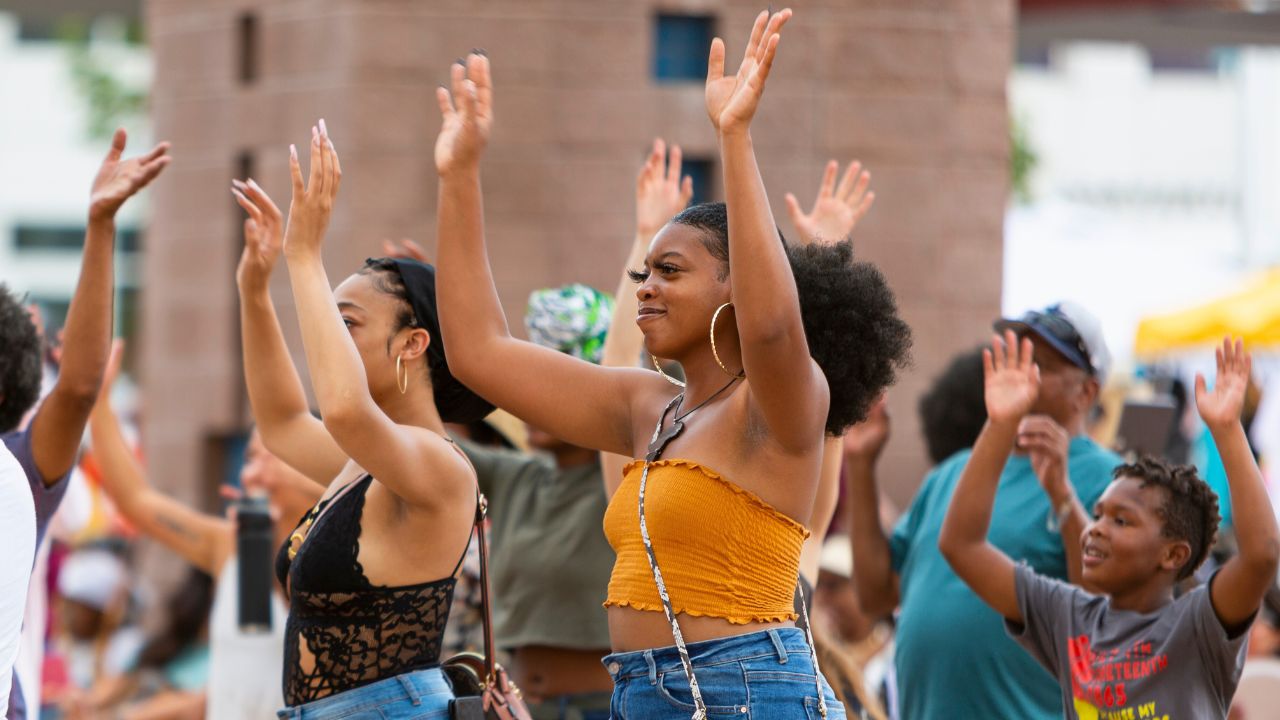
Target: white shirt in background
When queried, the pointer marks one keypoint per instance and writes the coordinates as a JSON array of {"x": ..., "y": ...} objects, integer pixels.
[{"x": 18, "y": 539}]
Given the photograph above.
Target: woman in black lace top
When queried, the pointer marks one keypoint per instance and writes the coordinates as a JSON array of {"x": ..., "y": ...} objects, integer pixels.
[{"x": 370, "y": 570}]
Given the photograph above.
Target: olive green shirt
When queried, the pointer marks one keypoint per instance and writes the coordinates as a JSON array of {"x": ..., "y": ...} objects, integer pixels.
[{"x": 549, "y": 562}]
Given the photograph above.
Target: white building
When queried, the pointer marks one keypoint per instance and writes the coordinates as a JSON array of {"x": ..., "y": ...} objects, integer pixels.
[
  {"x": 1158, "y": 182},
  {"x": 49, "y": 162}
]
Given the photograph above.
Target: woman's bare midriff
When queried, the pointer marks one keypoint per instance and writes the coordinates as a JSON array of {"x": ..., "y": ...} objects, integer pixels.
[
  {"x": 545, "y": 672},
  {"x": 631, "y": 629}
]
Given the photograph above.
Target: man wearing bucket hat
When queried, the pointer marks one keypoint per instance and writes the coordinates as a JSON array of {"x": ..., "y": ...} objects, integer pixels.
[{"x": 953, "y": 656}]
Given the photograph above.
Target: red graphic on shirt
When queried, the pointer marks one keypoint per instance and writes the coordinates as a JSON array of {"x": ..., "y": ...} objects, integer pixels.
[{"x": 1099, "y": 677}]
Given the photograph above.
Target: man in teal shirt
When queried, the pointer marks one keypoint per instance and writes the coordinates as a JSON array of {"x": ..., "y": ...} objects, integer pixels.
[{"x": 953, "y": 658}]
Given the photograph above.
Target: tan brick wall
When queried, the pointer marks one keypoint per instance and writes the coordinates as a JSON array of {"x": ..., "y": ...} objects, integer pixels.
[{"x": 915, "y": 88}]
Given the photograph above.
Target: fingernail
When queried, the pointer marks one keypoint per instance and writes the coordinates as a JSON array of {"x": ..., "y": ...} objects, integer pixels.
[
  {"x": 461, "y": 62},
  {"x": 293, "y": 151},
  {"x": 323, "y": 130},
  {"x": 253, "y": 183},
  {"x": 236, "y": 183}
]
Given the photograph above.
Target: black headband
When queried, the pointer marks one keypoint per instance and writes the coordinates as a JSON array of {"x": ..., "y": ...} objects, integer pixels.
[{"x": 455, "y": 402}]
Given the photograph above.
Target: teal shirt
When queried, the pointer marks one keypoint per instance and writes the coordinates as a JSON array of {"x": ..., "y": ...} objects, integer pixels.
[{"x": 953, "y": 657}]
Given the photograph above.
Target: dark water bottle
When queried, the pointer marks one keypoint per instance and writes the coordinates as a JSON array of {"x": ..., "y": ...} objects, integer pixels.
[{"x": 254, "y": 538}]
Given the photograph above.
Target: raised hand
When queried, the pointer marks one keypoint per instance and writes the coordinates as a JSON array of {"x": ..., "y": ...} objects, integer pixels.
[
  {"x": 1011, "y": 378},
  {"x": 467, "y": 111},
  {"x": 1222, "y": 406},
  {"x": 118, "y": 179},
  {"x": 660, "y": 192},
  {"x": 263, "y": 234},
  {"x": 406, "y": 249},
  {"x": 866, "y": 440},
  {"x": 1047, "y": 444},
  {"x": 312, "y": 202},
  {"x": 836, "y": 210},
  {"x": 732, "y": 100}
]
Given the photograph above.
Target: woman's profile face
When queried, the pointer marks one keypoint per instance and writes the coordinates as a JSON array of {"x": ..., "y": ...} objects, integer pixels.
[
  {"x": 681, "y": 286},
  {"x": 371, "y": 317}
]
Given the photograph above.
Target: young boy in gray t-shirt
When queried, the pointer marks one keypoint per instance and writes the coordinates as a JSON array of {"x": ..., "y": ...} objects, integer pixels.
[{"x": 1131, "y": 650}]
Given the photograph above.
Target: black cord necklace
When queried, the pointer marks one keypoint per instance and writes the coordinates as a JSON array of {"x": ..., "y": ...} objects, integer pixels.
[{"x": 663, "y": 438}]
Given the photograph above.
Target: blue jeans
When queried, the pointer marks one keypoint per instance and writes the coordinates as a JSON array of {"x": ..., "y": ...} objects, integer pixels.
[
  {"x": 765, "y": 675},
  {"x": 418, "y": 695}
]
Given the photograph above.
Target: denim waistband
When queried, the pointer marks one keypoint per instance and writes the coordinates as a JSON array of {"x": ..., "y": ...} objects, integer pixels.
[
  {"x": 778, "y": 642},
  {"x": 409, "y": 686}
]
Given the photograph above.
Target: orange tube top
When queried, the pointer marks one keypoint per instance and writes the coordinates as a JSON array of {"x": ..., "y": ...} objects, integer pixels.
[{"x": 723, "y": 551}]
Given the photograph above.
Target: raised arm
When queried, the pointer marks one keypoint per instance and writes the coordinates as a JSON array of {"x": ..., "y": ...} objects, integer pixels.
[
  {"x": 59, "y": 424},
  {"x": 873, "y": 577},
  {"x": 395, "y": 454},
  {"x": 279, "y": 403},
  {"x": 1239, "y": 586},
  {"x": 791, "y": 394},
  {"x": 836, "y": 210},
  {"x": 1049, "y": 445},
  {"x": 1012, "y": 382},
  {"x": 202, "y": 540},
  {"x": 661, "y": 194},
  {"x": 528, "y": 381}
]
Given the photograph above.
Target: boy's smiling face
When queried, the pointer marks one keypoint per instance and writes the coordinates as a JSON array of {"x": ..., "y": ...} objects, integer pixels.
[{"x": 1124, "y": 547}]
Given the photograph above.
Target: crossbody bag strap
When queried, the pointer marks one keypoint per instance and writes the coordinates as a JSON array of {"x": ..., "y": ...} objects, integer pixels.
[
  {"x": 482, "y": 508},
  {"x": 813, "y": 650},
  {"x": 700, "y": 707},
  {"x": 486, "y": 613}
]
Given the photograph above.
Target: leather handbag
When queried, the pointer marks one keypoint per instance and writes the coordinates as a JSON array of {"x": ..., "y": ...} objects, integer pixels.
[{"x": 481, "y": 687}]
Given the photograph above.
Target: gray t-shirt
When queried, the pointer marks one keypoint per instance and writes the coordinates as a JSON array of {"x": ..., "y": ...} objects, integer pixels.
[
  {"x": 47, "y": 497},
  {"x": 1177, "y": 663}
]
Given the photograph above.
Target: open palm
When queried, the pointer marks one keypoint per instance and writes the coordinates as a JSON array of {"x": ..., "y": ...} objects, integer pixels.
[
  {"x": 836, "y": 210},
  {"x": 732, "y": 99},
  {"x": 1011, "y": 377},
  {"x": 467, "y": 113},
  {"x": 263, "y": 232},
  {"x": 661, "y": 193},
  {"x": 1223, "y": 405},
  {"x": 118, "y": 179}
]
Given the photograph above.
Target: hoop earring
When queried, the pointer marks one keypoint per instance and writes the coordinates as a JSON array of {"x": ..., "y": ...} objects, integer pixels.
[
  {"x": 740, "y": 374},
  {"x": 403, "y": 385},
  {"x": 665, "y": 376}
]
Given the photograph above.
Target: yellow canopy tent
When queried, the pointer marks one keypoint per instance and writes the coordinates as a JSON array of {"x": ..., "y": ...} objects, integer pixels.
[{"x": 1252, "y": 313}]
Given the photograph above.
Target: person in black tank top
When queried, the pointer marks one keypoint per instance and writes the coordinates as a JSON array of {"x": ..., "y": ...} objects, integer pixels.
[{"x": 363, "y": 629}]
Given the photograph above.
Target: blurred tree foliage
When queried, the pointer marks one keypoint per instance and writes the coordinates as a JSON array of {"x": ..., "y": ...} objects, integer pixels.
[
  {"x": 111, "y": 101},
  {"x": 1022, "y": 160}
]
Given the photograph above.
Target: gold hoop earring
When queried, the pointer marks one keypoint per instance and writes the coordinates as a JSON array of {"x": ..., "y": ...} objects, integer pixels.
[
  {"x": 740, "y": 374},
  {"x": 403, "y": 385},
  {"x": 668, "y": 378}
]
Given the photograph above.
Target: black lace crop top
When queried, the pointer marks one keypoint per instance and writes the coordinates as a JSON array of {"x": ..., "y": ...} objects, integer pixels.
[{"x": 350, "y": 631}]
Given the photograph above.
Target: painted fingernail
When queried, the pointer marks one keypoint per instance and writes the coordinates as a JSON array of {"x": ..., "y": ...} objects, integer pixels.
[
  {"x": 254, "y": 184},
  {"x": 323, "y": 130},
  {"x": 293, "y": 151},
  {"x": 237, "y": 183},
  {"x": 460, "y": 61}
]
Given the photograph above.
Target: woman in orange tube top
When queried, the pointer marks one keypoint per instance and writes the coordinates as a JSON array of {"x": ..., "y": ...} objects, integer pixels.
[{"x": 730, "y": 461}]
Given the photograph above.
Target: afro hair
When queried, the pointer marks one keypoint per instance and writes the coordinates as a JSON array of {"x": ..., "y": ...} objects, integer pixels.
[
  {"x": 849, "y": 312},
  {"x": 1190, "y": 509},
  {"x": 852, "y": 324},
  {"x": 19, "y": 361}
]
